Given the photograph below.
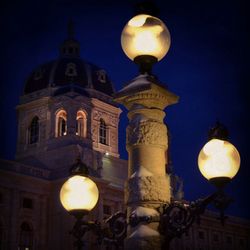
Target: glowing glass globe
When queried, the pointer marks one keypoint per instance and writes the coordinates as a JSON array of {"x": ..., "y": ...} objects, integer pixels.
[
  {"x": 79, "y": 193},
  {"x": 145, "y": 35},
  {"x": 219, "y": 158}
]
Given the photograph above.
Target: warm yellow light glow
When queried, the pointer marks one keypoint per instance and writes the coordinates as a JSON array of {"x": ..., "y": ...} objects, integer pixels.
[
  {"x": 79, "y": 193},
  {"x": 137, "y": 21},
  {"x": 145, "y": 35},
  {"x": 219, "y": 158}
]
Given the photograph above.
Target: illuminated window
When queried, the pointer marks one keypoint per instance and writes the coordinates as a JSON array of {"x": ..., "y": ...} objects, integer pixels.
[
  {"x": 81, "y": 124},
  {"x": 34, "y": 130},
  {"x": 61, "y": 123},
  {"x": 103, "y": 132},
  {"x": 26, "y": 237}
]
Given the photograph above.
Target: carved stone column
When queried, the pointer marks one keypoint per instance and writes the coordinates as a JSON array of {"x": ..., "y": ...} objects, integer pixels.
[{"x": 148, "y": 185}]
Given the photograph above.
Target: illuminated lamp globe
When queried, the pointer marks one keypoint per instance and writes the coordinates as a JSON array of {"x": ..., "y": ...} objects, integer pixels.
[
  {"x": 145, "y": 35},
  {"x": 219, "y": 161},
  {"x": 79, "y": 194}
]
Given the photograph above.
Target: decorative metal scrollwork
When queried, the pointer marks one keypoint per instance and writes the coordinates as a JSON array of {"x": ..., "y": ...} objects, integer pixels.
[
  {"x": 117, "y": 229},
  {"x": 221, "y": 202},
  {"x": 111, "y": 232},
  {"x": 175, "y": 219},
  {"x": 134, "y": 220},
  {"x": 81, "y": 227}
]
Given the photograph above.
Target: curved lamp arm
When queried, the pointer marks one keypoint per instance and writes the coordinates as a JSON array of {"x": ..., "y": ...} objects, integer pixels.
[
  {"x": 110, "y": 232},
  {"x": 177, "y": 217}
]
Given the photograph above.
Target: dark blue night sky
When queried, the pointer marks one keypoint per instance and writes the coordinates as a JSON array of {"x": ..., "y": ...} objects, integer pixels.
[{"x": 207, "y": 66}]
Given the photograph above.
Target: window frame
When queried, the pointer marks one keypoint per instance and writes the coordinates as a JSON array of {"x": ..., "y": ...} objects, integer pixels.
[
  {"x": 81, "y": 127},
  {"x": 61, "y": 123},
  {"x": 103, "y": 132},
  {"x": 34, "y": 130}
]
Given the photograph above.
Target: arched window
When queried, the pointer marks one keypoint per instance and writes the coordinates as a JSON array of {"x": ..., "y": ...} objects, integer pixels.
[
  {"x": 34, "y": 130},
  {"x": 103, "y": 132},
  {"x": 26, "y": 237},
  {"x": 81, "y": 124},
  {"x": 61, "y": 123}
]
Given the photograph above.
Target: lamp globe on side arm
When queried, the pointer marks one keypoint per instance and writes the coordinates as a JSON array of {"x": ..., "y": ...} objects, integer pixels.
[
  {"x": 79, "y": 194},
  {"x": 219, "y": 160}
]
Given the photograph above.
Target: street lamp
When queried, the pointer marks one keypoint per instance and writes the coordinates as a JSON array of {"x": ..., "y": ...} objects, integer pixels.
[
  {"x": 219, "y": 160},
  {"x": 145, "y": 39},
  {"x": 152, "y": 217},
  {"x": 79, "y": 195}
]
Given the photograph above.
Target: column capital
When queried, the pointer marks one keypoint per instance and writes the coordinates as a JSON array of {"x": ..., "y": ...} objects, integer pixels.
[{"x": 145, "y": 91}]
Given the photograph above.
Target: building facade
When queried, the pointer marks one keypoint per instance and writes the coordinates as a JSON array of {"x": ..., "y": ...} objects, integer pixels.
[
  {"x": 66, "y": 112},
  {"x": 210, "y": 234}
]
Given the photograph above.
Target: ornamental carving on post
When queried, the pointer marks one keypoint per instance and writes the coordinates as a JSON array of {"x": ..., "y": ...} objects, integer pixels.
[
  {"x": 147, "y": 188},
  {"x": 147, "y": 132}
]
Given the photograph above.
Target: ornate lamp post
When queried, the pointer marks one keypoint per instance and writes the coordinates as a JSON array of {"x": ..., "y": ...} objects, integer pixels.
[
  {"x": 79, "y": 195},
  {"x": 145, "y": 39},
  {"x": 153, "y": 219}
]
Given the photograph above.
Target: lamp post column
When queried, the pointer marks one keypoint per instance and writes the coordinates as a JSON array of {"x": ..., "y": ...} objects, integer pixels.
[{"x": 148, "y": 185}]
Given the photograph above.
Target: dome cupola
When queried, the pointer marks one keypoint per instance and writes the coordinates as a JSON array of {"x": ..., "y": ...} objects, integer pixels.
[
  {"x": 70, "y": 47},
  {"x": 69, "y": 72}
]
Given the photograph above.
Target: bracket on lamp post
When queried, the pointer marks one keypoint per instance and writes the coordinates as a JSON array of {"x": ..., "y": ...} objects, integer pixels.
[
  {"x": 111, "y": 231},
  {"x": 177, "y": 217},
  {"x": 174, "y": 219}
]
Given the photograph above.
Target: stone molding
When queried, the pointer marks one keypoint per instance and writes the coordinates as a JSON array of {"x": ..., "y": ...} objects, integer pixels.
[
  {"x": 156, "y": 97},
  {"x": 109, "y": 118}
]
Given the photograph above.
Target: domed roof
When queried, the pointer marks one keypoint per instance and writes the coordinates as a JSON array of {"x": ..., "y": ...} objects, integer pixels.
[{"x": 69, "y": 69}]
